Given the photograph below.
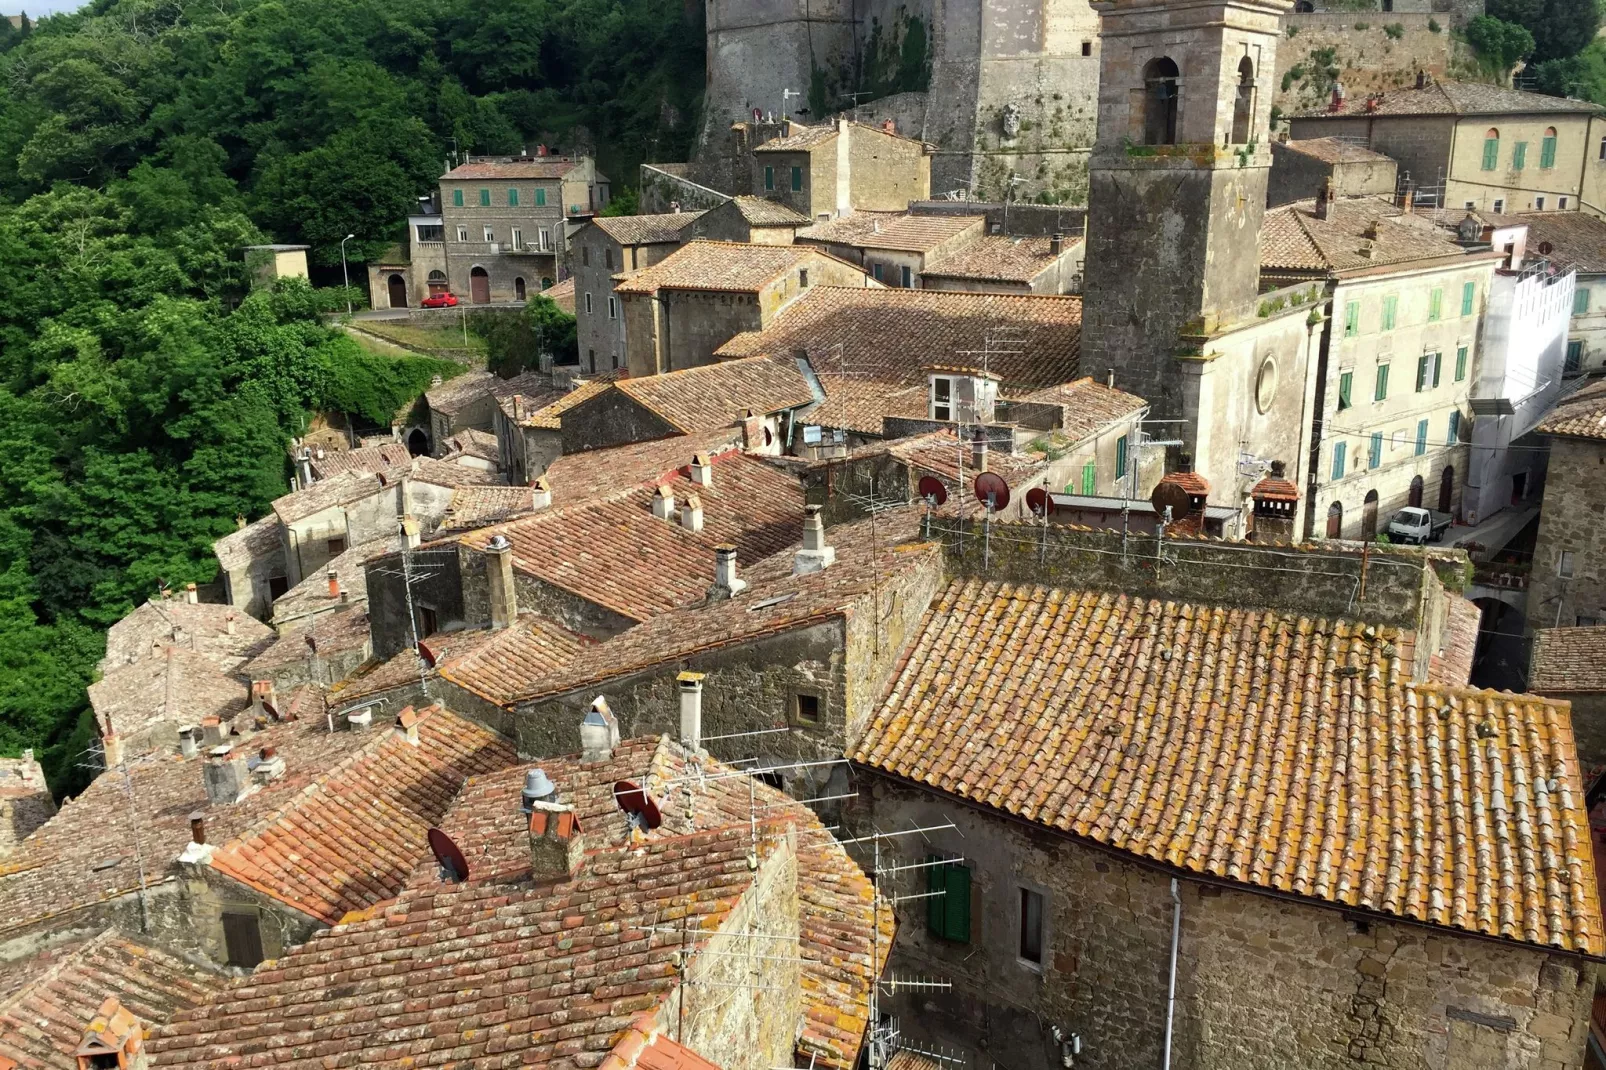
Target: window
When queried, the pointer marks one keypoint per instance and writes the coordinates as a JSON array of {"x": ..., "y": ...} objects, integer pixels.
[
  {"x": 1575, "y": 356},
  {"x": 588, "y": 304},
  {"x": 585, "y": 255},
  {"x": 1460, "y": 363},
  {"x": 1352, "y": 319},
  {"x": 1519, "y": 155},
  {"x": 1243, "y": 104},
  {"x": 1380, "y": 390},
  {"x": 490, "y": 235},
  {"x": 1421, "y": 437},
  {"x": 1564, "y": 567},
  {"x": 1374, "y": 450},
  {"x": 948, "y": 900},
  {"x": 1491, "y": 149},
  {"x": 337, "y": 545},
  {"x": 1539, "y": 204},
  {"x": 544, "y": 237},
  {"x": 1499, "y": 205},
  {"x": 905, "y": 277},
  {"x": 431, "y": 232},
  {"x": 1031, "y": 927},
  {"x": 1338, "y": 460},
  {"x": 1580, "y": 301},
  {"x": 462, "y": 234},
  {"x": 1345, "y": 381},
  {"x": 1424, "y": 372},
  {"x": 1090, "y": 481},
  {"x": 1602, "y": 155},
  {"x": 485, "y": 198},
  {"x": 1547, "y": 148},
  {"x": 1587, "y": 622},
  {"x": 875, "y": 272},
  {"x": 613, "y": 308},
  {"x": 540, "y": 197},
  {"x": 512, "y": 197},
  {"x": 806, "y": 709},
  {"x": 591, "y": 356},
  {"x": 1454, "y": 434},
  {"x": 803, "y": 278},
  {"x": 942, "y": 398},
  {"x": 1469, "y": 205},
  {"x": 607, "y": 258},
  {"x": 797, "y": 179},
  {"x": 242, "y": 938},
  {"x": 517, "y": 239},
  {"x": 1469, "y": 292},
  {"x": 1561, "y": 203},
  {"x": 1391, "y": 308},
  {"x": 428, "y": 621},
  {"x": 457, "y": 196},
  {"x": 769, "y": 178},
  {"x": 1435, "y": 304},
  {"x": 1160, "y": 102},
  {"x": 1120, "y": 457},
  {"x": 1087, "y": 48}
]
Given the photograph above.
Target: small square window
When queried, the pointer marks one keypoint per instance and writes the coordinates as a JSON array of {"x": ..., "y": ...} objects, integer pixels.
[
  {"x": 806, "y": 709},
  {"x": 1564, "y": 567},
  {"x": 1539, "y": 204},
  {"x": 1561, "y": 203},
  {"x": 1499, "y": 206},
  {"x": 1087, "y": 48},
  {"x": 1031, "y": 927},
  {"x": 337, "y": 545}
]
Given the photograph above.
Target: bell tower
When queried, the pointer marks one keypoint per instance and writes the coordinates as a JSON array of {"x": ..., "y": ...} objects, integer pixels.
[{"x": 1177, "y": 183}]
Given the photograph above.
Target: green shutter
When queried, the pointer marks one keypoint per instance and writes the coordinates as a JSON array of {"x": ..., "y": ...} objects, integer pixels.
[
  {"x": 769, "y": 178},
  {"x": 1345, "y": 383},
  {"x": 1381, "y": 391},
  {"x": 1421, "y": 373},
  {"x": 1519, "y": 155},
  {"x": 1435, "y": 303},
  {"x": 1491, "y": 153},
  {"x": 1374, "y": 455},
  {"x": 457, "y": 198},
  {"x": 1455, "y": 428},
  {"x": 1580, "y": 301},
  {"x": 1120, "y": 457},
  {"x": 512, "y": 197},
  {"x": 948, "y": 908},
  {"x": 1547, "y": 152},
  {"x": 1338, "y": 460},
  {"x": 1468, "y": 292},
  {"x": 1391, "y": 306},
  {"x": 485, "y": 198},
  {"x": 1438, "y": 364},
  {"x": 1460, "y": 363},
  {"x": 1421, "y": 437},
  {"x": 1352, "y": 319},
  {"x": 1090, "y": 481},
  {"x": 797, "y": 179},
  {"x": 540, "y": 198}
]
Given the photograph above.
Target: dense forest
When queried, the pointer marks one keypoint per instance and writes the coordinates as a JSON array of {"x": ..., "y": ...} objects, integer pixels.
[{"x": 146, "y": 394}]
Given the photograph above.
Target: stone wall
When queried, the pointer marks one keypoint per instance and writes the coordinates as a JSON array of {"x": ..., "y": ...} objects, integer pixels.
[
  {"x": 1570, "y": 521},
  {"x": 662, "y": 189},
  {"x": 610, "y": 418},
  {"x": 1368, "y": 51},
  {"x": 1298, "y": 176},
  {"x": 25, "y": 801},
  {"x": 438, "y": 585},
  {"x": 1263, "y": 981}
]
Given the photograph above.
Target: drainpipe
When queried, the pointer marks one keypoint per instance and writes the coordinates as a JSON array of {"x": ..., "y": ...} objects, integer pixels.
[{"x": 1176, "y": 938}]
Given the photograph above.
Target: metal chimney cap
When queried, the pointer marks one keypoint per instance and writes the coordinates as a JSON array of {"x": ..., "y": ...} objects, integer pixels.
[
  {"x": 537, "y": 788},
  {"x": 593, "y": 717},
  {"x": 499, "y": 542}
]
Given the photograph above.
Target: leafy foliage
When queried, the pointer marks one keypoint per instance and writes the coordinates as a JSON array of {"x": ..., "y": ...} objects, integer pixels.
[
  {"x": 1560, "y": 28},
  {"x": 1502, "y": 45},
  {"x": 518, "y": 340}
]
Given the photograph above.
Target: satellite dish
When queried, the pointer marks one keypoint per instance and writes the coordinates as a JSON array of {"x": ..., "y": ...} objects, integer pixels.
[
  {"x": 454, "y": 867},
  {"x": 1037, "y": 501},
  {"x": 1546, "y": 248},
  {"x": 638, "y": 806},
  {"x": 1169, "y": 494},
  {"x": 932, "y": 490},
  {"x": 992, "y": 485}
]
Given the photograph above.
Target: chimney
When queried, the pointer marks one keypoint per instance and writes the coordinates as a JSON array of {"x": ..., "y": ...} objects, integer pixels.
[
  {"x": 1056, "y": 245},
  {"x": 358, "y": 720},
  {"x": 269, "y": 765},
  {"x": 407, "y": 724},
  {"x": 702, "y": 470},
  {"x": 691, "y": 710},
  {"x": 504, "y": 599},
  {"x": 410, "y": 531},
  {"x": 599, "y": 732},
  {"x": 814, "y": 555},
  {"x": 189, "y": 594},
  {"x": 1109, "y": 378},
  {"x": 114, "y": 1038},
  {"x": 213, "y": 731},
  {"x": 304, "y": 466},
  {"x": 239, "y": 522},
  {"x": 189, "y": 740},
  {"x": 540, "y": 493},
  {"x": 1324, "y": 199},
  {"x": 198, "y": 827},
  {"x": 111, "y": 746},
  {"x": 555, "y": 848},
  {"x": 889, "y": 126},
  {"x": 691, "y": 513},
  {"x": 228, "y": 624},
  {"x": 226, "y": 776},
  {"x": 752, "y": 432},
  {"x": 978, "y": 451},
  {"x": 663, "y": 502},
  {"x": 518, "y": 406},
  {"x": 1421, "y": 79},
  {"x": 264, "y": 700},
  {"x": 334, "y": 583},
  {"x": 726, "y": 583},
  {"x": 1407, "y": 201}
]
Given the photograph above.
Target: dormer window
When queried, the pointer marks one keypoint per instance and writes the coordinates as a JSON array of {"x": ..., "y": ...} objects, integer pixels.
[
  {"x": 1160, "y": 99},
  {"x": 942, "y": 397}
]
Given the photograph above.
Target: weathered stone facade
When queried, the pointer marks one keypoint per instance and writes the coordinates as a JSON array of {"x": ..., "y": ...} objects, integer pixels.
[
  {"x": 1573, "y": 591},
  {"x": 25, "y": 801}
]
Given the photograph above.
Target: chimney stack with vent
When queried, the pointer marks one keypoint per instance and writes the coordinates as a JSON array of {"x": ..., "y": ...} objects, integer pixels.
[
  {"x": 499, "y": 570},
  {"x": 1324, "y": 200},
  {"x": 540, "y": 493},
  {"x": 360, "y": 719},
  {"x": 752, "y": 432},
  {"x": 111, "y": 747},
  {"x": 228, "y": 780},
  {"x": 213, "y": 731},
  {"x": 702, "y": 470},
  {"x": 814, "y": 555},
  {"x": 264, "y": 700},
  {"x": 599, "y": 732},
  {"x": 691, "y": 513},
  {"x": 663, "y": 502},
  {"x": 691, "y": 710},
  {"x": 407, "y": 724},
  {"x": 411, "y": 531},
  {"x": 198, "y": 827},
  {"x": 978, "y": 451},
  {"x": 555, "y": 849},
  {"x": 269, "y": 765},
  {"x": 189, "y": 740},
  {"x": 726, "y": 583},
  {"x": 190, "y": 594},
  {"x": 334, "y": 583},
  {"x": 1056, "y": 245}
]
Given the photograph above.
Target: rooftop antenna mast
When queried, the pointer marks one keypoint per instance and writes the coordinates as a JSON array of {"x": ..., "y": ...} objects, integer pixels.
[{"x": 410, "y": 579}]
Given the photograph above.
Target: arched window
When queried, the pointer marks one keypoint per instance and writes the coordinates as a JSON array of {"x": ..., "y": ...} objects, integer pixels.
[
  {"x": 1491, "y": 149},
  {"x": 1414, "y": 499},
  {"x": 1160, "y": 99},
  {"x": 1547, "y": 148},
  {"x": 1369, "y": 516},
  {"x": 1335, "y": 521},
  {"x": 1243, "y": 105},
  {"x": 437, "y": 282}
]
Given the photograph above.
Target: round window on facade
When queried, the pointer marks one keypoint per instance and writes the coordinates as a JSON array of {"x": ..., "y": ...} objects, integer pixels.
[{"x": 1266, "y": 385}]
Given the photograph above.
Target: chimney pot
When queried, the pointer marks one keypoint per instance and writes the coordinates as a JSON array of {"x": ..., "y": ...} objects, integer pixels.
[
  {"x": 189, "y": 740},
  {"x": 537, "y": 788},
  {"x": 691, "y": 513},
  {"x": 663, "y": 502},
  {"x": 264, "y": 699},
  {"x": 198, "y": 827},
  {"x": 541, "y": 493},
  {"x": 190, "y": 594},
  {"x": 228, "y": 624},
  {"x": 112, "y": 748},
  {"x": 752, "y": 432},
  {"x": 359, "y": 720},
  {"x": 269, "y": 765},
  {"x": 691, "y": 710},
  {"x": 334, "y": 583},
  {"x": 814, "y": 555},
  {"x": 726, "y": 582},
  {"x": 555, "y": 848},
  {"x": 504, "y": 595},
  {"x": 407, "y": 724},
  {"x": 1324, "y": 199},
  {"x": 599, "y": 732},
  {"x": 213, "y": 731},
  {"x": 702, "y": 470},
  {"x": 1056, "y": 245},
  {"x": 227, "y": 778},
  {"x": 411, "y": 531}
]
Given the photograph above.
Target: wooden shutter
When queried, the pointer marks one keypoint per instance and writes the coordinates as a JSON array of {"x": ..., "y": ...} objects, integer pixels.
[{"x": 242, "y": 938}]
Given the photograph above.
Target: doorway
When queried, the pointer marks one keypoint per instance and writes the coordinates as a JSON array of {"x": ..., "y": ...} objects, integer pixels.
[
  {"x": 518, "y": 288},
  {"x": 1447, "y": 489},
  {"x": 1416, "y": 492},
  {"x": 1369, "y": 516},
  {"x": 398, "y": 291},
  {"x": 1335, "y": 521},
  {"x": 1519, "y": 487},
  {"x": 479, "y": 286},
  {"x": 417, "y": 442}
]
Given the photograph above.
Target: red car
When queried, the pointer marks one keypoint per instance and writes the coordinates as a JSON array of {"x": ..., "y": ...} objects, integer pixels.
[{"x": 445, "y": 299}]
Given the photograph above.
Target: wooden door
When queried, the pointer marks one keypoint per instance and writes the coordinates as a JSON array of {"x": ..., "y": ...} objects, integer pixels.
[
  {"x": 398, "y": 291},
  {"x": 479, "y": 286}
]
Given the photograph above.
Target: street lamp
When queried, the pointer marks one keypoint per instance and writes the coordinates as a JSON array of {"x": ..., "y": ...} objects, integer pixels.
[{"x": 343, "y": 272}]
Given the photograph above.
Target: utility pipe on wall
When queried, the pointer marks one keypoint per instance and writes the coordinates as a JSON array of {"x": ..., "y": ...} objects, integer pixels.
[{"x": 1171, "y": 997}]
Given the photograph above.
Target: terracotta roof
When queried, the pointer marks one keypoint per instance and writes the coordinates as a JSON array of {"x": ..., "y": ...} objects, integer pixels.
[
  {"x": 1292, "y": 238},
  {"x": 404, "y": 669},
  {"x": 577, "y": 477},
  {"x": 792, "y": 602},
  {"x": 550, "y": 415},
  {"x": 764, "y": 212},
  {"x": 340, "y": 489},
  {"x": 257, "y": 539},
  {"x": 468, "y": 387},
  {"x": 803, "y": 137},
  {"x": 21, "y": 777},
  {"x": 311, "y": 595},
  {"x": 1275, "y": 751},
  {"x": 712, "y": 396},
  {"x": 316, "y": 636},
  {"x": 476, "y": 506},
  {"x": 585, "y": 954},
  {"x": 535, "y": 167},
  {"x": 49, "y": 998},
  {"x": 862, "y": 405},
  {"x": 1275, "y": 490},
  {"x": 1579, "y": 415},
  {"x": 904, "y": 1059},
  {"x": 645, "y": 229},
  {"x": 561, "y": 294},
  {"x": 615, "y": 554},
  {"x": 1335, "y": 150},
  {"x": 891, "y": 335},
  {"x": 445, "y": 473},
  {"x": 350, "y": 838},
  {"x": 509, "y": 661},
  {"x": 1452, "y": 662},
  {"x": 1087, "y": 406},
  {"x": 939, "y": 453},
  {"x": 899, "y": 231},
  {"x": 220, "y": 633},
  {"x": 472, "y": 442},
  {"x": 1192, "y": 482},
  {"x": 1569, "y": 240},
  {"x": 1569, "y": 659},
  {"x": 178, "y": 687},
  {"x": 367, "y": 459},
  {"x": 1455, "y": 98},
  {"x": 999, "y": 258},
  {"x": 728, "y": 267}
]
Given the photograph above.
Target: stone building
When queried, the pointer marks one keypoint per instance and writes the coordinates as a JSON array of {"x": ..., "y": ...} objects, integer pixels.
[
  {"x": 269, "y": 263},
  {"x": 469, "y": 401},
  {"x": 1491, "y": 148},
  {"x": 605, "y": 247},
  {"x": 403, "y": 275},
  {"x": 1268, "y": 805},
  {"x": 529, "y": 429},
  {"x": 678, "y": 312},
  {"x": 751, "y": 220},
  {"x": 506, "y": 222},
  {"x": 1000, "y": 263},
  {"x": 822, "y": 172},
  {"x": 1302, "y": 170},
  {"x": 25, "y": 801},
  {"x": 1577, "y": 244},
  {"x": 576, "y": 873},
  {"x": 1569, "y": 665},
  {"x": 893, "y": 248},
  {"x": 1567, "y": 584},
  {"x": 1402, "y": 311}
]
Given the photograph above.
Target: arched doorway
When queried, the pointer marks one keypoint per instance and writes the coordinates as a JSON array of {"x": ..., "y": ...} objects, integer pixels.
[
  {"x": 1335, "y": 521},
  {"x": 417, "y": 442},
  {"x": 1160, "y": 102},
  {"x": 1369, "y": 516},
  {"x": 1416, "y": 492},
  {"x": 518, "y": 288},
  {"x": 479, "y": 286},
  {"x": 398, "y": 291},
  {"x": 1447, "y": 488},
  {"x": 437, "y": 282}
]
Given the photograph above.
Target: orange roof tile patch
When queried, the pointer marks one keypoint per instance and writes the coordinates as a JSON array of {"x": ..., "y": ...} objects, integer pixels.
[
  {"x": 1579, "y": 415},
  {"x": 730, "y": 267},
  {"x": 1000, "y": 258},
  {"x": 1279, "y": 752},
  {"x": 719, "y": 395},
  {"x": 902, "y": 231}
]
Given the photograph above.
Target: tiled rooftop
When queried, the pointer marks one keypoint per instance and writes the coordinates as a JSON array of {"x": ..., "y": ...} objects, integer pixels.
[
  {"x": 476, "y": 506},
  {"x": 340, "y": 489},
  {"x": 577, "y": 477},
  {"x": 49, "y": 998},
  {"x": 445, "y": 473},
  {"x": 177, "y": 685},
  {"x": 802, "y": 137},
  {"x": 351, "y": 838},
  {"x": 1569, "y": 240},
  {"x": 223, "y": 634},
  {"x": 764, "y": 212},
  {"x": 728, "y": 267},
  {"x": 506, "y": 663},
  {"x": 939, "y": 453},
  {"x": 549, "y": 415},
  {"x": 1292, "y": 238},
  {"x": 999, "y": 258},
  {"x": 350, "y": 567},
  {"x": 1456, "y": 98},
  {"x": 367, "y": 459},
  {"x": 318, "y": 636},
  {"x": 1579, "y": 415},
  {"x": 257, "y": 539},
  {"x": 1087, "y": 406},
  {"x": 559, "y": 969},
  {"x": 535, "y": 167},
  {"x": 1451, "y": 663},
  {"x": 1334, "y": 150},
  {"x": 1569, "y": 659},
  {"x": 863, "y": 405},
  {"x": 561, "y": 294},
  {"x": 718, "y": 395},
  {"x": 645, "y": 229},
  {"x": 891, "y": 335},
  {"x": 472, "y": 442},
  {"x": 468, "y": 387},
  {"x": 901, "y": 231},
  {"x": 1276, "y": 751}
]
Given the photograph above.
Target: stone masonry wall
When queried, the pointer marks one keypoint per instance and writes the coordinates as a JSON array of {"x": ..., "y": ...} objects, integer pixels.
[
  {"x": 1368, "y": 51},
  {"x": 1263, "y": 983},
  {"x": 1571, "y": 521}
]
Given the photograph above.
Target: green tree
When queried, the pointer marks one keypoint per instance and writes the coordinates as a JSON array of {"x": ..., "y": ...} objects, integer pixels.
[
  {"x": 1560, "y": 28},
  {"x": 1502, "y": 45}
]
